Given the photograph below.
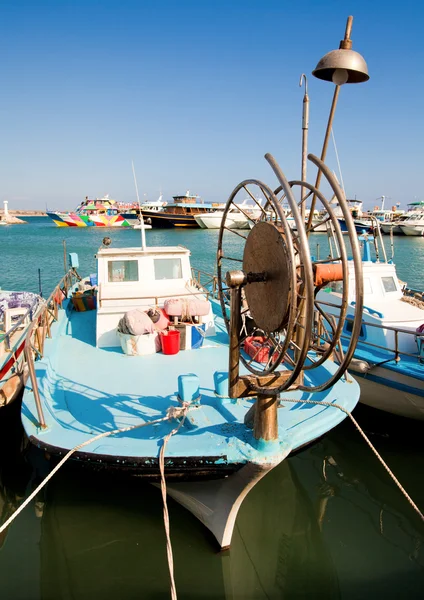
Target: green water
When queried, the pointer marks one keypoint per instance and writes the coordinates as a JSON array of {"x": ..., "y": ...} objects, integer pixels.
[{"x": 327, "y": 523}]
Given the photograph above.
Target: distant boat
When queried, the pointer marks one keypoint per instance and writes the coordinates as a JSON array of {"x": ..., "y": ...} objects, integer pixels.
[
  {"x": 414, "y": 224},
  {"x": 140, "y": 226},
  {"x": 99, "y": 212},
  {"x": 236, "y": 218},
  {"x": 179, "y": 213},
  {"x": 415, "y": 210}
]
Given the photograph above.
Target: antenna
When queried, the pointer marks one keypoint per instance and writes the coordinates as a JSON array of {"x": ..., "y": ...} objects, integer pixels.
[{"x": 143, "y": 231}]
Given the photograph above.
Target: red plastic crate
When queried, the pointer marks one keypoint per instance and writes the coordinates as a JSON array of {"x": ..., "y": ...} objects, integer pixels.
[{"x": 257, "y": 347}]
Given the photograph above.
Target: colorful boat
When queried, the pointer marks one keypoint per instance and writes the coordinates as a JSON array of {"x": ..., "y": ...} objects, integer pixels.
[{"x": 100, "y": 212}]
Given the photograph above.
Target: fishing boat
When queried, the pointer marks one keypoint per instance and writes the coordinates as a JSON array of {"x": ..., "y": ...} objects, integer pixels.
[
  {"x": 235, "y": 403},
  {"x": 240, "y": 382},
  {"x": 389, "y": 357},
  {"x": 363, "y": 221},
  {"x": 179, "y": 213},
  {"x": 17, "y": 311},
  {"x": 99, "y": 212}
]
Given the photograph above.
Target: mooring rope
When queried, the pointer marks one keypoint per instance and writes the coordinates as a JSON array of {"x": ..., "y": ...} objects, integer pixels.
[
  {"x": 173, "y": 412},
  {"x": 368, "y": 441},
  {"x": 182, "y": 412}
]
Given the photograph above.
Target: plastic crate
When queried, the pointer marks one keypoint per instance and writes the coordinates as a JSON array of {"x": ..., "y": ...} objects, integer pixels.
[{"x": 258, "y": 348}]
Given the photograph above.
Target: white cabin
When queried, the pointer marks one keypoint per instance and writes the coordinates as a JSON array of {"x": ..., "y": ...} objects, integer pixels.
[
  {"x": 383, "y": 306},
  {"x": 130, "y": 278}
]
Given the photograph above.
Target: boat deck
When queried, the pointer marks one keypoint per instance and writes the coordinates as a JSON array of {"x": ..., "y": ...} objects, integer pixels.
[{"x": 86, "y": 391}]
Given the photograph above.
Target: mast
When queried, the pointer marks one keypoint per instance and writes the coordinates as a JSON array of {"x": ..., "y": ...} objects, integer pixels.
[{"x": 143, "y": 231}]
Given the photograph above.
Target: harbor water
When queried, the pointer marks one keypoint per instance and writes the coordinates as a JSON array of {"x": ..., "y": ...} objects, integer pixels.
[{"x": 327, "y": 523}]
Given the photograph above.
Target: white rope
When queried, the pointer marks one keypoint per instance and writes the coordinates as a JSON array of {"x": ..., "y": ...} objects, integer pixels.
[
  {"x": 172, "y": 413},
  {"x": 368, "y": 441},
  {"x": 182, "y": 413}
]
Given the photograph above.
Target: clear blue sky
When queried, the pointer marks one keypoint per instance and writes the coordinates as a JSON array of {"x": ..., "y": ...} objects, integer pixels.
[{"x": 196, "y": 91}]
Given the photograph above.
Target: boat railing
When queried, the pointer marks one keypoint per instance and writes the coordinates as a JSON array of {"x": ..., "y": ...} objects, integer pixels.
[
  {"x": 7, "y": 336},
  {"x": 206, "y": 281},
  {"x": 155, "y": 300},
  {"x": 40, "y": 329},
  {"x": 398, "y": 353}
]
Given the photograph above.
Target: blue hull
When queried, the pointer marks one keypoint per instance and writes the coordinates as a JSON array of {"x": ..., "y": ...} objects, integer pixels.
[
  {"x": 360, "y": 227},
  {"x": 85, "y": 391}
]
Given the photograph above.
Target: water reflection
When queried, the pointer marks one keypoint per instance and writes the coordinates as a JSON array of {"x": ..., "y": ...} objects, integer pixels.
[
  {"x": 327, "y": 523},
  {"x": 375, "y": 536}
]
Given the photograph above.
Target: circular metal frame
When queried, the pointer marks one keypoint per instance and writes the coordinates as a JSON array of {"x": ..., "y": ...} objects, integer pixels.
[
  {"x": 301, "y": 297},
  {"x": 281, "y": 347}
]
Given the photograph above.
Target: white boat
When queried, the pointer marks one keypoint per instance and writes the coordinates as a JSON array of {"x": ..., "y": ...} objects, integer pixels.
[
  {"x": 212, "y": 220},
  {"x": 155, "y": 205},
  {"x": 142, "y": 226},
  {"x": 414, "y": 224},
  {"x": 393, "y": 226},
  {"x": 240, "y": 217},
  {"x": 389, "y": 357}
]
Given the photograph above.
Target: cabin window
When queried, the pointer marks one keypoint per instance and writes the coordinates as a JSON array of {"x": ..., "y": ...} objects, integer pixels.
[
  {"x": 389, "y": 284},
  {"x": 168, "y": 268},
  {"x": 122, "y": 270}
]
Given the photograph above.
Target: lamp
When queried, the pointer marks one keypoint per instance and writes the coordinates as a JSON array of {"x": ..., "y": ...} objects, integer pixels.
[{"x": 338, "y": 66}]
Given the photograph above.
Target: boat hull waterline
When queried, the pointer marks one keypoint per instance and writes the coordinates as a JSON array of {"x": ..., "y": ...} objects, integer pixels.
[{"x": 80, "y": 402}]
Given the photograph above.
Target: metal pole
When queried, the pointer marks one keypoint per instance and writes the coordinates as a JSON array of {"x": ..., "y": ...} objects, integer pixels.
[
  {"x": 235, "y": 326},
  {"x": 303, "y": 192},
  {"x": 28, "y": 357},
  {"x": 266, "y": 421},
  {"x": 40, "y": 289},
  {"x": 65, "y": 266},
  {"x": 305, "y": 127},
  {"x": 324, "y": 150}
]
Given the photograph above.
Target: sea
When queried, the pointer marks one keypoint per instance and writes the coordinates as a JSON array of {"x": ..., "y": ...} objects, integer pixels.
[{"x": 327, "y": 523}]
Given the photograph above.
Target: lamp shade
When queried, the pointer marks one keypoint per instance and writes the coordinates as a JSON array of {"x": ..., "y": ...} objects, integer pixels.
[{"x": 342, "y": 66}]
